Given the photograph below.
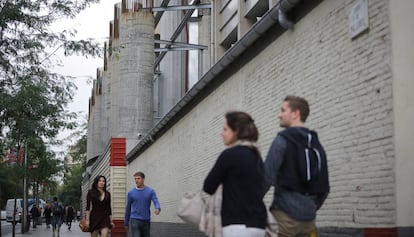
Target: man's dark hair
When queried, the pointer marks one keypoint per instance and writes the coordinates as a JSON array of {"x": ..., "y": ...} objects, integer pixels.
[
  {"x": 298, "y": 103},
  {"x": 140, "y": 174}
]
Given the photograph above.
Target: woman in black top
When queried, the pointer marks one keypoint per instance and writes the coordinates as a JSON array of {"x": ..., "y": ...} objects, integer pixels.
[{"x": 240, "y": 169}]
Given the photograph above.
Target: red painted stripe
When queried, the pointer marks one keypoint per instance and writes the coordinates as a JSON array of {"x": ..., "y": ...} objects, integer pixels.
[
  {"x": 381, "y": 232},
  {"x": 118, "y": 152},
  {"x": 119, "y": 230}
]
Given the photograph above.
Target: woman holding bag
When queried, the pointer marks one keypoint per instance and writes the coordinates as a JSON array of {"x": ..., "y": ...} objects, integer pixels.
[{"x": 239, "y": 168}]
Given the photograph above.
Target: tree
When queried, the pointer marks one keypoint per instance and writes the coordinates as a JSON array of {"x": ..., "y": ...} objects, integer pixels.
[
  {"x": 43, "y": 166},
  {"x": 78, "y": 151},
  {"x": 33, "y": 99},
  {"x": 8, "y": 178},
  {"x": 71, "y": 190}
]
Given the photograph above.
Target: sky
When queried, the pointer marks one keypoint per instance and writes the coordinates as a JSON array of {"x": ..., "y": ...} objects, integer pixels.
[{"x": 91, "y": 23}]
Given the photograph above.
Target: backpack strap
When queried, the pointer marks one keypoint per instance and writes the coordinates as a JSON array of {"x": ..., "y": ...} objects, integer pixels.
[{"x": 318, "y": 156}]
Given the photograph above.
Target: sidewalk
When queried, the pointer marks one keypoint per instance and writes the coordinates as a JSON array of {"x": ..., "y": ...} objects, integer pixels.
[{"x": 42, "y": 231}]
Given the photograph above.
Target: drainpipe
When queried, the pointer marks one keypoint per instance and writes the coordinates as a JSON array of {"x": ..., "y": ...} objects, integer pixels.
[{"x": 284, "y": 7}]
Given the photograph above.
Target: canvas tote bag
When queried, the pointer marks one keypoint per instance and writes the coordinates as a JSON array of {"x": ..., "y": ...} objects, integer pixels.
[{"x": 190, "y": 207}]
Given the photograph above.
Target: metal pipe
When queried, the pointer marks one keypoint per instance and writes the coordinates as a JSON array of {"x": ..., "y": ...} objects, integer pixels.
[{"x": 284, "y": 7}]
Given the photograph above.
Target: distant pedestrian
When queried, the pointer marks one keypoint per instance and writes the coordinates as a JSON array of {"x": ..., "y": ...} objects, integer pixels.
[
  {"x": 239, "y": 168},
  {"x": 47, "y": 213},
  {"x": 296, "y": 165},
  {"x": 98, "y": 208},
  {"x": 35, "y": 214},
  {"x": 57, "y": 217},
  {"x": 69, "y": 216},
  {"x": 137, "y": 210},
  {"x": 78, "y": 214},
  {"x": 39, "y": 217}
]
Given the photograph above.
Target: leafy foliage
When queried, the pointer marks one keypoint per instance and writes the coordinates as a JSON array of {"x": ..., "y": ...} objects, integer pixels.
[
  {"x": 78, "y": 151},
  {"x": 42, "y": 163},
  {"x": 33, "y": 99},
  {"x": 71, "y": 190},
  {"x": 42, "y": 167},
  {"x": 9, "y": 183}
]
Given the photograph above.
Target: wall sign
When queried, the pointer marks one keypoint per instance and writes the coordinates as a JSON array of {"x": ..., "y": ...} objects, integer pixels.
[{"x": 358, "y": 18}]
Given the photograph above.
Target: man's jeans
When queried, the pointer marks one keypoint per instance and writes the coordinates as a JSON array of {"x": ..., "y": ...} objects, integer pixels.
[{"x": 139, "y": 228}]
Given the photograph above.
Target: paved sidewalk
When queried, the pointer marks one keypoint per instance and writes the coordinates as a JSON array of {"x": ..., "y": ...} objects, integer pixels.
[{"x": 42, "y": 231}]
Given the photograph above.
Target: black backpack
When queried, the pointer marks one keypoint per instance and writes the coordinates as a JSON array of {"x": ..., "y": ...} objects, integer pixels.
[
  {"x": 305, "y": 170},
  {"x": 57, "y": 209},
  {"x": 310, "y": 160}
]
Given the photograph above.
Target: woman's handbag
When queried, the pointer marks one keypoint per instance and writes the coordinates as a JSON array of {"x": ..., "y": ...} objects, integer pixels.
[
  {"x": 190, "y": 208},
  {"x": 83, "y": 225}
]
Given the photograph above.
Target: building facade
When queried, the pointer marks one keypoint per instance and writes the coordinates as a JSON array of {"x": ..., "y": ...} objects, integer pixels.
[{"x": 350, "y": 59}]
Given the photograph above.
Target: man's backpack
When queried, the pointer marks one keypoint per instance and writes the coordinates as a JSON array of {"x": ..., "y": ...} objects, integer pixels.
[
  {"x": 308, "y": 171},
  {"x": 310, "y": 161},
  {"x": 57, "y": 209}
]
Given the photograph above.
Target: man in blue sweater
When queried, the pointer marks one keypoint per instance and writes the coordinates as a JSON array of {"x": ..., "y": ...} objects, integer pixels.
[{"x": 137, "y": 210}]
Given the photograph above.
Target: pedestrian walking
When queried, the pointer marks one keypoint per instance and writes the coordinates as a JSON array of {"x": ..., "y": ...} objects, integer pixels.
[
  {"x": 137, "y": 210},
  {"x": 57, "y": 217},
  {"x": 39, "y": 217},
  {"x": 239, "y": 168},
  {"x": 98, "y": 208},
  {"x": 34, "y": 212},
  {"x": 296, "y": 165},
  {"x": 69, "y": 216},
  {"x": 47, "y": 213}
]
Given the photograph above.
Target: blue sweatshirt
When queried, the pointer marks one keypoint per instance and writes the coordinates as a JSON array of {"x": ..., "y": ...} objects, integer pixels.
[{"x": 139, "y": 203}]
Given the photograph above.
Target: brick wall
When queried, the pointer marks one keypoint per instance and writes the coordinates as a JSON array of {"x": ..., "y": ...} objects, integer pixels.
[{"x": 349, "y": 86}]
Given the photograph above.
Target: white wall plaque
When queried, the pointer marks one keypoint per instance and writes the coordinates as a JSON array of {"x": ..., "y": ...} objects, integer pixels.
[{"x": 358, "y": 18}]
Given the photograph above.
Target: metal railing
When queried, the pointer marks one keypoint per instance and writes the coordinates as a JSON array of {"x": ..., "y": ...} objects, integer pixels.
[{"x": 135, "y": 5}]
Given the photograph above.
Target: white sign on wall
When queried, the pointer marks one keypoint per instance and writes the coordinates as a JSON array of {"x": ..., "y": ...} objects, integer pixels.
[{"x": 358, "y": 18}]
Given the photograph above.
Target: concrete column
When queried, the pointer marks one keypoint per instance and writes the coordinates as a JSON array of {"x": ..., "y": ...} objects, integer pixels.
[
  {"x": 136, "y": 72},
  {"x": 204, "y": 35},
  {"x": 113, "y": 64},
  {"x": 89, "y": 144},
  {"x": 106, "y": 102},
  {"x": 97, "y": 125}
]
